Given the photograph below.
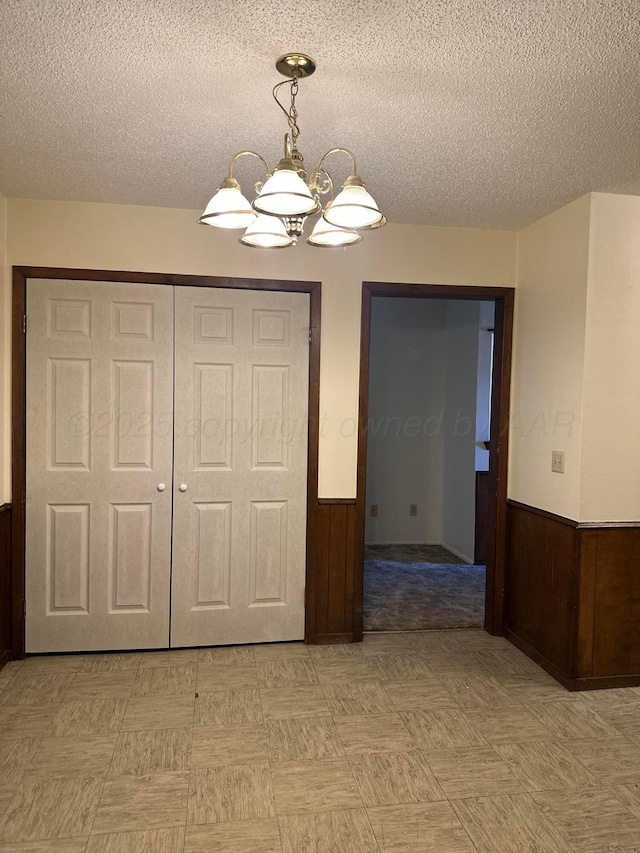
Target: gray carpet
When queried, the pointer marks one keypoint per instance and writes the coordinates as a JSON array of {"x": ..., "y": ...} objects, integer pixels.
[{"x": 420, "y": 587}]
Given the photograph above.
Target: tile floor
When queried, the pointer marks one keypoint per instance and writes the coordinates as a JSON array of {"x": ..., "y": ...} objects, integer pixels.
[{"x": 446, "y": 741}]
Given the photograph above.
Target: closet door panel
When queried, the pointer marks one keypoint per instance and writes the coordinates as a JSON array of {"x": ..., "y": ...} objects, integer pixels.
[
  {"x": 99, "y": 443},
  {"x": 239, "y": 540}
]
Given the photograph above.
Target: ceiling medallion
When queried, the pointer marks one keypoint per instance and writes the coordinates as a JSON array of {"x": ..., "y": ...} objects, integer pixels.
[{"x": 275, "y": 218}]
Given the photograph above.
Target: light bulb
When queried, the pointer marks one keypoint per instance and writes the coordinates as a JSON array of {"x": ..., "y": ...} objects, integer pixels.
[
  {"x": 326, "y": 235},
  {"x": 267, "y": 232},
  {"x": 285, "y": 194},
  {"x": 228, "y": 208},
  {"x": 354, "y": 207}
]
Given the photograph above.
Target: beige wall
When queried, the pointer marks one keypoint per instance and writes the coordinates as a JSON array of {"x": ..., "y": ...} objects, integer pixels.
[
  {"x": 576, "y": 381},
  {"x": 577, "y": 332},
  {"x": 610, "y": 482},
  {"x": 549, "y": 351},
  {"x": 95, "y": 236}
]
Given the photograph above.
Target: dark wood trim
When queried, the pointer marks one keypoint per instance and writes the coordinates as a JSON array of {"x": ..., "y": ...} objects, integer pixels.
[
  {"x": 6, "y": 582},
  {"x": 504, "y": 302},
  {"x": 167, "y": 278},
  {"x": 438, "y": 291},
  {"x": 543, "y": 513},
  {"x": 324, "y": 639},
  {"x": 336, "y": 501},
  {"x": 482, "y": 518},
  {"x": 18, "y": 458},
  {"x": 361, "y": 488},
  {"x": 20, "y": 276},
  {"x": 312, "y": 471},
  {"x": 499, "y": 461},
  {"x": 605, "y": 682},
  {"x": 577, "y": 525}
]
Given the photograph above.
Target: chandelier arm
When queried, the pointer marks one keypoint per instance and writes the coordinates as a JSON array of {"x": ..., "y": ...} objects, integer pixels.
[
  {"x": 322, "y": 188},
  {"x": 319, "y": 167},
  {"x": 248, "y": 154},
  {"x": 330, "y": 180},
  {"x": 274, "y": 92}
]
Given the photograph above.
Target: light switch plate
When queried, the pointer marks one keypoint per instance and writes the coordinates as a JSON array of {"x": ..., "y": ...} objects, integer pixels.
[{"x": 557, "y": 461}]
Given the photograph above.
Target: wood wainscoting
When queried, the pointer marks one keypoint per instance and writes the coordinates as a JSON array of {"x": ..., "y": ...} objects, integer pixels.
[
  {"x": 334, "y": 568},
  {"x": 572, "y": 596},
  {"x": 6, "y": 622},
  {"x": 483, "y": 510}
]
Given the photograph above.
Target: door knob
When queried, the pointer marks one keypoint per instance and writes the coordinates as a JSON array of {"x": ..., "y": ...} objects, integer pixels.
[
  {"x": 161, "y": 487},
  {"x": 183, "y": 487}
]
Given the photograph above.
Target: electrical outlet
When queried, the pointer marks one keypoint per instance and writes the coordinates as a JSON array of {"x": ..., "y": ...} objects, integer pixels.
[
  {"x": 373, "y": 512},
  {"x": 413, "y": 510},
  {"x": 557, "y": 461}
]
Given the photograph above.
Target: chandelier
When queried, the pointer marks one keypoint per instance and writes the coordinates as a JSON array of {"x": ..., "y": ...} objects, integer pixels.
[{"x": 275, "y": 218}]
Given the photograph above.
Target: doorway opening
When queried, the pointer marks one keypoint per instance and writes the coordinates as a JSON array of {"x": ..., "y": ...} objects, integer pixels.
[{"x": 431, "y": 500}]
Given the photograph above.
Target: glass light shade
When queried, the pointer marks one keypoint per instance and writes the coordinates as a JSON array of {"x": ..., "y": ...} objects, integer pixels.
[
  {"x": 285, "y": 194},
  {"x": 228, "y": 209},
  {"x": 267, "y": 232},
  {"x": 355, "y": 208},
  {"x": 329, "y": 236}
]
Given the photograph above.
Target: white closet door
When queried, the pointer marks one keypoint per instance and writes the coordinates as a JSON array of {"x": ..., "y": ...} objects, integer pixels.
[
  {"x": 239, "y": 536},
  {"x": 99, "y": 444}
]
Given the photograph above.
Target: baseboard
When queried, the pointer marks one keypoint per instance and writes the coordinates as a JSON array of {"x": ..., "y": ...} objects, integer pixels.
[
  {"x": 462, "y": 556},
  {"x": 5, "y": 657},
  {"x": 541, "y": 660},
  {"x": 604, "y": 681},
  {"x": 574, "y": 684},
  {"x": 325, "y": 639},
  {"x": 401, "y": 543}
]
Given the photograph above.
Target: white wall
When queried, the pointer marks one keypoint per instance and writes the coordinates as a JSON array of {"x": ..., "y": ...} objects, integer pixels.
[
  {"x": 406, "y": 405},
  {"x": 548, "y": 368},
  {"x": 610, "y": 469},
  {"x": 459, "y": 432},
  {"x": 422, "y": 420},
  {"x": 483, "y": 393},
  {"x": 100, "y": 236}
]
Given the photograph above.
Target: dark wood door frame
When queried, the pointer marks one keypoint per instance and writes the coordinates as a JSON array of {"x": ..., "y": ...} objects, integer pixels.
[
  {"x": 503, "y": 297},
  {"x": 18, "y": 430}
]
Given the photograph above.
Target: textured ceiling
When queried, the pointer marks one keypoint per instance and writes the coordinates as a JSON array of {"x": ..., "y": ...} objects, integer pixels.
[{"x": 485, "y": 113}]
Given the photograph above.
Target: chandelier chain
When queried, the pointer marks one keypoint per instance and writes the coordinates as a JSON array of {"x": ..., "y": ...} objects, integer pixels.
[{"x": 292, "y": 113}]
